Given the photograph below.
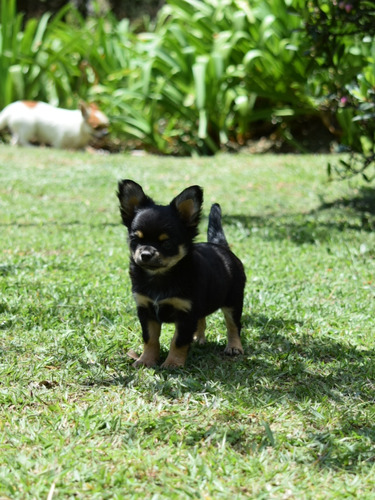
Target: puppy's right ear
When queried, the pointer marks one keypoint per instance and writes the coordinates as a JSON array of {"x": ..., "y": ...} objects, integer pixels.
[
  {"x": 189, "y": 205},
  {"x": 131, "y": 198}
]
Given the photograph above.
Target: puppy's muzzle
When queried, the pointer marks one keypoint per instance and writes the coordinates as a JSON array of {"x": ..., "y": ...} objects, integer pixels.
[{"x": 147, "y": 257}]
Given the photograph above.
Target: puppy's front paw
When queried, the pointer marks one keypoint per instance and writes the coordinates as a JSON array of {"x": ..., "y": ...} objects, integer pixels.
[
  {"x": 150, "y": 355},
  {"x": 176, "y": 357},
  {"x": 149, "y": 363},
  {"x": 148, "y": 359},
  {"x": 171, "y": 364}
]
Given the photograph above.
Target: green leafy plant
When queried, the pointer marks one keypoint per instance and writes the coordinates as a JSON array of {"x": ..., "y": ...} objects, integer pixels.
[
  {"x": 36, "y": 57},
  {"x": 206, "y": 75},
  {"x": 341, "y": 38},
  {"x": 214, "y": 82}
]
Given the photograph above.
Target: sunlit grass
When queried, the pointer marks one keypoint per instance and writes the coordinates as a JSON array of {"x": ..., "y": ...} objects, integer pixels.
[{"x": 292, "y": 418}]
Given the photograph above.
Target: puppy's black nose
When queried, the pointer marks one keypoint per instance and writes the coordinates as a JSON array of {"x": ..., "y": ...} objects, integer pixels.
[{"x": 146, "y": 255}]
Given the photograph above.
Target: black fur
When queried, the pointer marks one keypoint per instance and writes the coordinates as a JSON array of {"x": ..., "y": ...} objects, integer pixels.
[
  {"x": 215, "y": 232},
  {"x": 173, "y": 278}
]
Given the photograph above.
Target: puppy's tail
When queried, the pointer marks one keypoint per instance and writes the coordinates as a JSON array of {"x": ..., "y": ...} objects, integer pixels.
[{"x": 215, "y": 232}]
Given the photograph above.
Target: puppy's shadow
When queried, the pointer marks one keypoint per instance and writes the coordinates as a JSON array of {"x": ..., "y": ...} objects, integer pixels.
[{"x": 284, "y": 358}]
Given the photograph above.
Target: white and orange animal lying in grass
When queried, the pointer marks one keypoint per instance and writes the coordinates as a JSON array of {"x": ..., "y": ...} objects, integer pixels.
[{"x": 32, "y": 122}]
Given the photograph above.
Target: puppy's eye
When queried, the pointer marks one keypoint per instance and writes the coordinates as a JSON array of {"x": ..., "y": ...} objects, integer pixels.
[
  {"x": 165, "y": 241},
  {"x": 167, "y": 244}
]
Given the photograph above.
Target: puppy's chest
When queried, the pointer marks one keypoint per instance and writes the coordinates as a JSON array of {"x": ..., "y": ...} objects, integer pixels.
[{"x": 161, "y": 307}]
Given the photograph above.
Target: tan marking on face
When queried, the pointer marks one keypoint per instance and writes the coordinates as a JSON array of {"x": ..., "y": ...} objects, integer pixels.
[
  {"x": 151, "y": 349},
  {"x": 137, "y": 256},
  {"x": 163, "y": 237},
  {"x": 172, "y": 261},
  {"x": 139, "y": 234},
  {"x": 234, "y": 345},
  {"x": 177, "y": 355},
  {"x": 167, "y": 263},
  {"x": 30, "y": 104}
]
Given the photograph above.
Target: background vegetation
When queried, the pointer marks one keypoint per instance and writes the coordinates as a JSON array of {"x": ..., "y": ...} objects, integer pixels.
[
  {"x": 291, "y": 418},
  {"x": 206, "y": 75}
]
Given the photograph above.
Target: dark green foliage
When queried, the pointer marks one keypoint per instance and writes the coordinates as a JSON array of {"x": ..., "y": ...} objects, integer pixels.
[{"x": 341, "y": 44}]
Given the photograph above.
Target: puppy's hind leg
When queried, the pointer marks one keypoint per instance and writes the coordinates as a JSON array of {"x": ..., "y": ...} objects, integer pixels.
[
  {"x": 232, "y": 320},
  {"x": 199, "y": 335}
]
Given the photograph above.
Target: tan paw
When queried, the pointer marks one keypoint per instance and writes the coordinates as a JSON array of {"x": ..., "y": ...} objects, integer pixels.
[
  {"x": 146, "y": 360},
  {"x": 173, "y": 363},
  {"x": 176, "y": 357}
]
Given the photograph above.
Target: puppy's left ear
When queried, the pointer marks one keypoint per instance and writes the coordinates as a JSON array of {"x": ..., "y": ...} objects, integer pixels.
[
  {"x": 132, "y": 198},
  {"x": 189, "y": 205}
]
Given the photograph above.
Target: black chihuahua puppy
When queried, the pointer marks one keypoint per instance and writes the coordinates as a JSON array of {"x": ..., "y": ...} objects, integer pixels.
[{"x": 175, "y": 280}]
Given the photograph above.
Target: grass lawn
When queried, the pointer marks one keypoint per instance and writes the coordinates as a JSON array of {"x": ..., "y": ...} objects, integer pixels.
[{"x": 291, "y": 418}]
